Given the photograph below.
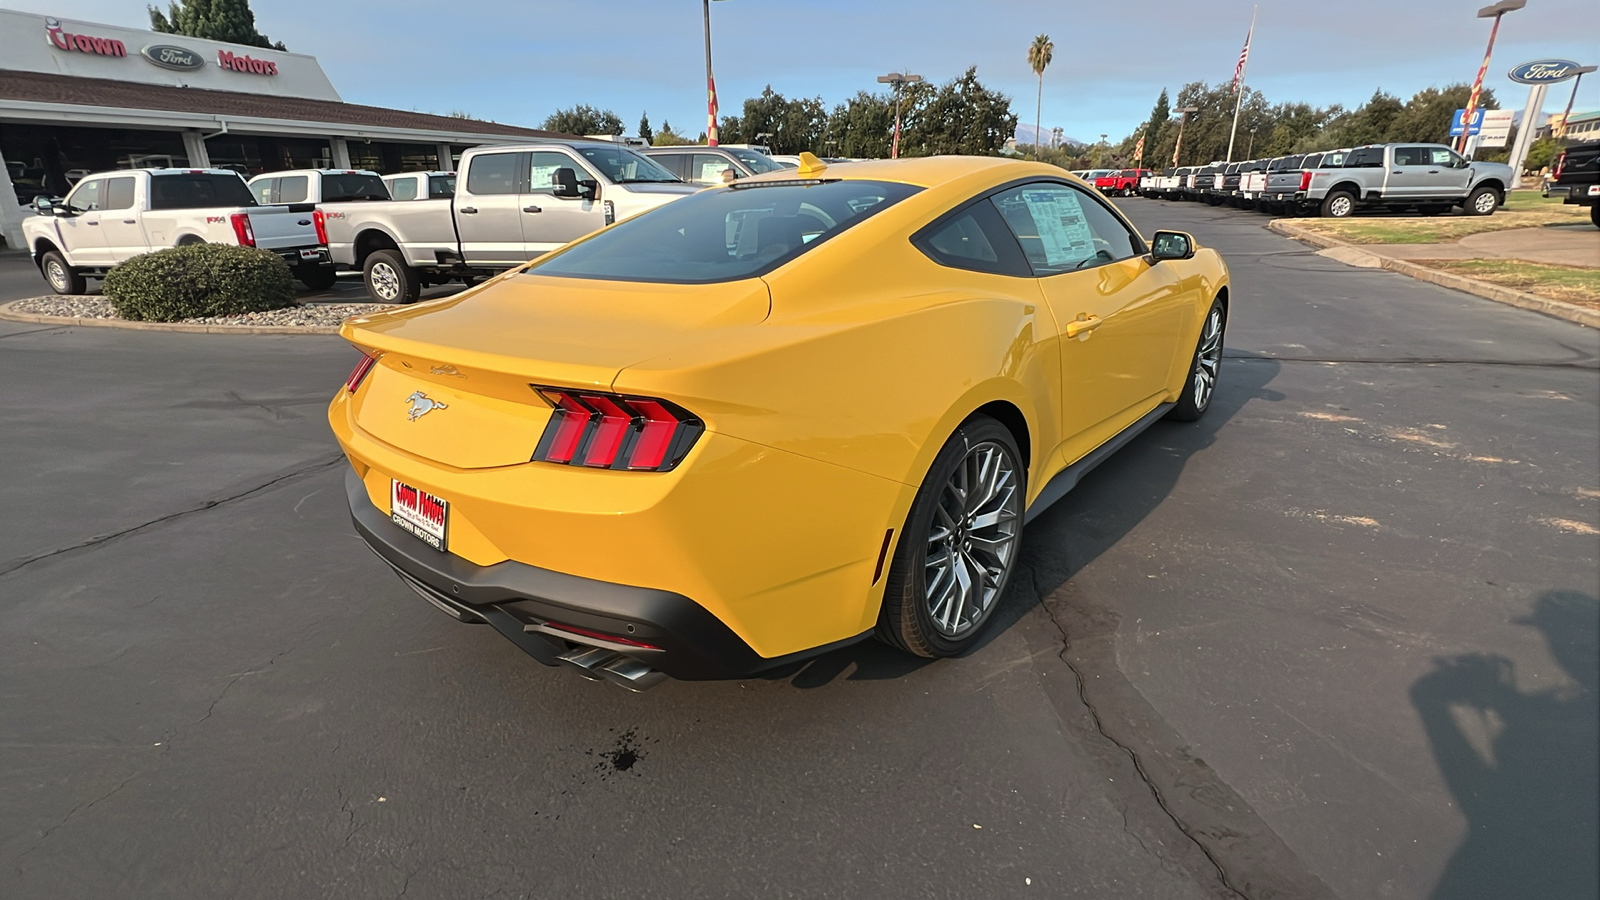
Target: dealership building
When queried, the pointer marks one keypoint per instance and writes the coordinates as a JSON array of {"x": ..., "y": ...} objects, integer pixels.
[{"x": 79, "y": 97}]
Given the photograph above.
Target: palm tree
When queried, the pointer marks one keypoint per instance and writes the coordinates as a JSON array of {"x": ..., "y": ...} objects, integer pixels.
[{"x": 1038, "y": 57}]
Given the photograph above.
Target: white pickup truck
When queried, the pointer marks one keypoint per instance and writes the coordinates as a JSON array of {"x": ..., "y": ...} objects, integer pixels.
[
  {"x": 510, "y": 204},
  {"x": 111, "y": 217}
]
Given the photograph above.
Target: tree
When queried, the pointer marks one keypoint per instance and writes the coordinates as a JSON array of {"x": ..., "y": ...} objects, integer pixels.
[
  {"x": 788, "y": 126},
  {"x": 1156, "y": 128},
  {"x": 861, "y": 127},
  {"x": 645, "y": 133},
  {"x": 215, "y": 20},
  {"x": 584, "y": 120},
  {"x": 666, "y": 137},
  {"x": 961, "y": 116},
  {"x": 1039, "y": 55},
  {"x": 1541, "y": 153}
]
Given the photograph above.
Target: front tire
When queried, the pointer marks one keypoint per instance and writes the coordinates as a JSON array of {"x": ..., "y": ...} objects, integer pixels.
[
  {"x": 62, "y": 278},
  {"x": 960, "y": 545},
  {"x": 1482, "y": 202},
  {"x": 389, "y": 279},
  {"x": 1205, "y": 369}
]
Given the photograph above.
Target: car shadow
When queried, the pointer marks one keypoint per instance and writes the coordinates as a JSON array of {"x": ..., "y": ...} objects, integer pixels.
[
  {"x": 1521, "y": 764},
  {"x": 1108, "y": 503}
]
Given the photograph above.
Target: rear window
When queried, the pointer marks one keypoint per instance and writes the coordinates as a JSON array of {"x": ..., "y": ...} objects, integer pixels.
[
  {"x": 345, "y": 187},
  {"x": 441, "y": 187},
  {"x": 403, "y": 188},
  {"x": 196, "y": 190},
  {"x": 724, "y": 234}
]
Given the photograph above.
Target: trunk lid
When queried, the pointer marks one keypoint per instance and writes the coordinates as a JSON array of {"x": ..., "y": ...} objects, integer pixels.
[{"x": 474, "y": 357}]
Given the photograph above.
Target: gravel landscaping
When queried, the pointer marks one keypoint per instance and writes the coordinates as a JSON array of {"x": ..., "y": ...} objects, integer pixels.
[{"x": 312, "y": 315}]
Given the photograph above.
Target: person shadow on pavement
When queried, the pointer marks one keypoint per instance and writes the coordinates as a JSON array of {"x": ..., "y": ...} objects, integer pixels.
[{"x": 1521, "y": 764}]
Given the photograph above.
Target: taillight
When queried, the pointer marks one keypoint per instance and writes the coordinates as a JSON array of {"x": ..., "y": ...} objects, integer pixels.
[
  {"x": 1305, "y": 180},
  {"x": 359, "y": 373},
  {"x": 242, "y": 230},
  {"x": 319, "y": 219},
  {"x": 612, "y": 431},
  {"x": 1560, "y": 161},
  {"x": 600, "y": 635}
]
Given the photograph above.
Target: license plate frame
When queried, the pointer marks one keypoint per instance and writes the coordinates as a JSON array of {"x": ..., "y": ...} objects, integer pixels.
[
  {"x": 311, "y": 254},
  {"x": 420, "y": 514}
]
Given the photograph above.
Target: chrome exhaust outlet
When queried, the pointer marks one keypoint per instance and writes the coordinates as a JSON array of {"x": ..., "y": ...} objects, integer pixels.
[
  {"x": 583, "y": 660},
  {"x": 627, "y": 672}
]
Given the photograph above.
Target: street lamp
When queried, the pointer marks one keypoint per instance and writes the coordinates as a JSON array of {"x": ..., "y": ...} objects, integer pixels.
[
  {"x": 1488, "y": 12},
  {"x": 1250, "y": 146},
  {"x": 898, "y": 80},
  {"x": 711, "y": 84},
  {"x": 1183, "y": 115}
]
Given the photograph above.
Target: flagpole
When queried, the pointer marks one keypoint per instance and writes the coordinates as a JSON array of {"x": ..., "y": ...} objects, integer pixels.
[{"x": 1239, "y": 88}]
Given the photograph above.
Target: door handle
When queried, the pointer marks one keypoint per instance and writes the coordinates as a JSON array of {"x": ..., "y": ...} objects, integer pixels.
[
  {"x": 90, "y": 222},
  {"x": 532, "y": 209},
  {"x": 1433, "y": 171},
  {"x": 130, "y": 221},
  {"x": 468, "y": 210},
  {"x": 1084, "y": 324}
]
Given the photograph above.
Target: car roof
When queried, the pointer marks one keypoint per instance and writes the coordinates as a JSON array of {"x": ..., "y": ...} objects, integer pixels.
[{"x": 922, "y": 171}]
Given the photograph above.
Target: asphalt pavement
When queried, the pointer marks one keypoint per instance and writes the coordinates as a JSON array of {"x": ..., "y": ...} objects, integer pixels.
[{"x": 1336, "y": 640}]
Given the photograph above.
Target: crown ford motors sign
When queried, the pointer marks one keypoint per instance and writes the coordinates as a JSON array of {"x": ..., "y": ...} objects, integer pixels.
[
  {"x": 171, "y": 57},
  {"x": 1544, "y": 71}
]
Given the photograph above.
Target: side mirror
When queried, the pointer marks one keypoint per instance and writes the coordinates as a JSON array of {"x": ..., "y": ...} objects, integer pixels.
[
  {"x": 565, "y": 183},
  {"x": 1171, "y": 245},
  {"x": 589, "y": 189},
  {"x": 44, "y": 206}
]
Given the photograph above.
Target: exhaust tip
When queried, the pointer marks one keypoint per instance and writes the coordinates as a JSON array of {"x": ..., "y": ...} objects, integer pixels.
[
  {"x": 631, "y": 674},
  {"x": 583, "y": 660}
]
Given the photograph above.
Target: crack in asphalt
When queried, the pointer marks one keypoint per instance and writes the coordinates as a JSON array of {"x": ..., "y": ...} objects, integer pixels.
[
  {"x": 32, "y": 331},
  {"x": 1138, "y": 764},
  {"x": 209, "y": 504},
  {"x": 1582, "y": 364},
  {"x": 82, "y": 807}
]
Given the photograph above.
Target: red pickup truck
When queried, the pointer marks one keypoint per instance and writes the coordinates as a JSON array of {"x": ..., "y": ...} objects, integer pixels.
[{"x": 1120, "y": 184}]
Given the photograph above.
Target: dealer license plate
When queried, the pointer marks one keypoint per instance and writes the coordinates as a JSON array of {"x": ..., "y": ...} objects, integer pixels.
[
  {"x": 422, "y": 514},
  {"x": 310, "y": 254}
]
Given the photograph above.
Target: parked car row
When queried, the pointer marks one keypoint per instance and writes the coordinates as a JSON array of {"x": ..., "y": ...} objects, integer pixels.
[{"x": 1428, "y": 178}]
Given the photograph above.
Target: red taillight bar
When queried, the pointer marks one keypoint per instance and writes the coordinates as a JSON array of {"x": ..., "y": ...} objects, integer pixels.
[
  {"x": 359, "y": 373},
  {"x": 1305, "y": 180},
  {"x": 319, "y": 219},
  {"x": 242, "y": 230},
  {"x": 600, "y": 635},
  {"x": 1561, "y": 161},
  {"x": 613, "y": 431}
]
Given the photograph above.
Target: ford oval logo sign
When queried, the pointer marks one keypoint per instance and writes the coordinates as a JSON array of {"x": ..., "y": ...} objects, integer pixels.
[
  {"x": 171, "y": 57},
  {"x": 1544, "y": 71}
]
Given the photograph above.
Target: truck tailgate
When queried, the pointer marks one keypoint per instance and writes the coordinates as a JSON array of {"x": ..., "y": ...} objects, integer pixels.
[{"x": 278, "y": 227}]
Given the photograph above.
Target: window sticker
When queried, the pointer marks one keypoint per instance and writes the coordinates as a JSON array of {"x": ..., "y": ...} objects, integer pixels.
[
  {"x": 542, "y": 177},
  {"x": 1063, "y": 230},
  {"x": 711, "y": 172}
]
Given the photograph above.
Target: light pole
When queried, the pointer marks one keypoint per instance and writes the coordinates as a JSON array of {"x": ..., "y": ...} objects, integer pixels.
[
  {"x": 898, "y": 80},
  {"x": 711, "y": 84},
  {"x": 1250, "y": 146},
  {"x": 1183, "y": 115},
  {"x": 1575, "y": 82},
  {"x": 1488, "y": 12},
  {"x": 1100, "y": 153}
]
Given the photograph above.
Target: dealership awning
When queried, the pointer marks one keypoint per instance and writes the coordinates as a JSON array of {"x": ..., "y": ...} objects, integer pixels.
[{"x": 63, "y": 99}]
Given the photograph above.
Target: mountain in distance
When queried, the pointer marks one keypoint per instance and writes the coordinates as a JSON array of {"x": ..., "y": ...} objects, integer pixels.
[{"x": 1025, "y": 135}]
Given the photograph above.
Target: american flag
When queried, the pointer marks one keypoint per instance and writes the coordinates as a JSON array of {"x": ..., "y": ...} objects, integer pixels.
[{"x": 1244, "y": 56}]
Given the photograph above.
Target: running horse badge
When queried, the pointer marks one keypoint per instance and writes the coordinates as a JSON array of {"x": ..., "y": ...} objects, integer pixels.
[{"x": 421, "y": 405}]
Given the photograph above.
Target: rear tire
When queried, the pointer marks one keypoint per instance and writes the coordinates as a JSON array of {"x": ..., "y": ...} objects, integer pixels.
[
  {"x": 1482, "y": 202},
  {"x": 62, "y": 278},
  {"x": 317, "y": 278},
  {"x": 968, "y": 549},
  {"x": 1338, "y": 205},
  {"x": 389, "y": 279},
  {"x": 1594, "y": 214},
  {"x": 1205, "y": 368}
]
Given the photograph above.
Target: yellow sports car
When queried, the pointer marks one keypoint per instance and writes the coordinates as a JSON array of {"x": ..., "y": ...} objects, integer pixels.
[{"x": 773, "y": 418}]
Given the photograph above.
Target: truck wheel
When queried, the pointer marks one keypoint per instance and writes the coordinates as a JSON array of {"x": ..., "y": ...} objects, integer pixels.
[
  {"x": 390, "y": 280},
  {"x": 317, "y": 278},
  {"x": 1339, "y": 205},
  {"x": 1482, "y": 202},
  {"x": 62, "y": 278}
]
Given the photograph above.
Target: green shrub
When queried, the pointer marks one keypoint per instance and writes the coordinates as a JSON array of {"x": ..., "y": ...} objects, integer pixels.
[{"x": 197, "y": 280}]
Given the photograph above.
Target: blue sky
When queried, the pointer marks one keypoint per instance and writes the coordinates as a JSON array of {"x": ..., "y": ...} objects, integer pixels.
[{"x": 517, "y": 61}]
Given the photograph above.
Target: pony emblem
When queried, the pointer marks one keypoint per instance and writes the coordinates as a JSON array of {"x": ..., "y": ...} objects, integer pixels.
[{"x": 421, "y": 405}]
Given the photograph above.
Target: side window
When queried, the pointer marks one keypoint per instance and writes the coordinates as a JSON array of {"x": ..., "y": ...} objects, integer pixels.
[
  {"x": 403, "y": 189},
  {"x": 262, "y": 190},
  {"x": 1366, "y": 158},
  {"x": 707, "y": 168},
  {"x": 1444, "y": 156},
  {"x": 493, "y": 173},
  {"x": 974, "y": 238},
  {"x": 1411, "y": 156},
  {"x": 86, "y": 196},
  {"x": 441, "y": 187},
  {"x": 1062, "y": 229},
  {"x": 118, "y": 194},
  {"x": 542, "y": 172},
  {"x": 672, "y": 162},
  {"x": 292, "y": 189}
]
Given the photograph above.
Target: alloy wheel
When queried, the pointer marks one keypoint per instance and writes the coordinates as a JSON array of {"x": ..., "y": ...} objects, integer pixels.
[
  {"x": 1208, "y": 360},
  {"x": 385, "y": 281},
  {"x": 972, "y": 539},
  {"x": 1485, "y": 203},
  {"x": 1341, "y": 207}
]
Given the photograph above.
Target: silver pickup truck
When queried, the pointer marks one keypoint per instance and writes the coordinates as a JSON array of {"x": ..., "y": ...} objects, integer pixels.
[
  {"x": 1430, "y": 177},
  {"x": 511, "y": 203}
]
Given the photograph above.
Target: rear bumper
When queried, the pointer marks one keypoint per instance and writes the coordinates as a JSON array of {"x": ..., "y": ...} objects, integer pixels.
[
  {"x": 521, "y": 601},
  {"x": 1581, "y": 194},
  {"x": 314, "y": 255}
]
